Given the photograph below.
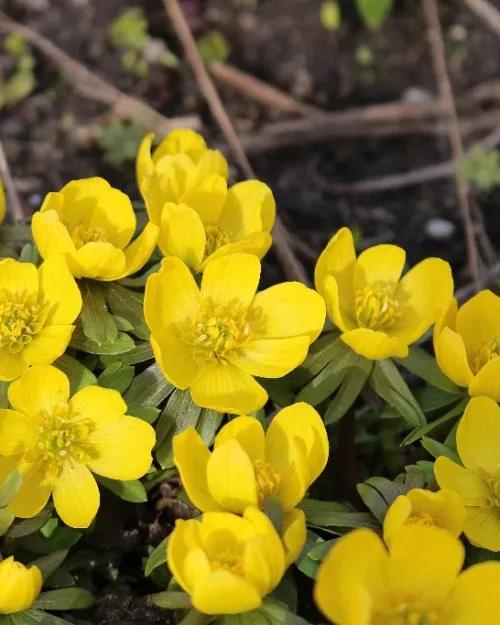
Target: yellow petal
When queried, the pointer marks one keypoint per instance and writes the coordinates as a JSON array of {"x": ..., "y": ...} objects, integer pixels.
[
  {"x": 381, "y": 263},
  {"x": 289, "y": 309},
  {"x": 477, "y": 436},
  {"x": 257, "y": 244},
  {"x": 123, "y": 449},
  {"x": 101, "y": 261},
  {"x": 18, "y": 278},
  {"x": 444, "y": 507},
  {"x": 175, "y": 359},
  {"x": 452, "y": 357},
  {"x": 397, "y": 515},
  {"x": 474, "y": 598},
  {"x": 482, "y": 528},
  {"x": 182, "y": 234},
  {"x": 248, "y": 432},
  {"x": 221, "y": 530},
  {"x": 144, "y": 163},
  {"x": 447, "y": 319},
  {"x": 272, "y": 547},
  {"x": 424, "y": 562},
  {"x": 337, "y": 260},
  {"x": 79, "y": 201},
  {"x": 33, "y": 494},
  {"x": 171, "y": 296},
  {"x": 181, "y": 541},
  {"x": 478, "y": 320},
  {"x": 99, "y": 405},
  {"x": 19, "y": 586},
  {"x": 12, "y": 365},
  {"x": 18, "y": 432},
  {"x": 249, "y": 206},
  {"x": 59, "y": 291},
  {"x": 196, "y": 566},
  {"x": 487, "y": 381},
  {"x": 225, "y": 593},
  {"x": 272, "y": 358},
  {"x": 76, "y": 496},
  {"x": 375, "y": 345},
  {"x": 302, "y": 423},
  {"x": 115, "y": 215},
  {"x": 227, "y": 389},
  {"x": 47, "y": 345},
  {"x": 206, "y": 196},
  {"x": 139, "y": 251},
  {"x": 180, "y": 141},
  {"x": 342, "y": 316},
  {"x": 231, "y": 477},
  {"x": 40, "y": 388},
  {"x": 50, "y": 235},
  {"x": 211, "y": 162},
  {"x": 191, "y": 458},
  {"x": 231, "y": 279},
  {"x": 293, "y": 534},
  {"x": 470, "y": 487}
]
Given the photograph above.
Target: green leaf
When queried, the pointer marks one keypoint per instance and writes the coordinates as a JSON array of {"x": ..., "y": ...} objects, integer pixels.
[
  {"x": 373, "y": 500},
  {"x": 279, "y": 390},
  {"x": 172, "y": 600},
  {"x": 436, "y": 449},
  {"x": 29, "y": 254},
  {"x": 29, "y": 526},
  {"x": 63, "y": 537},
  {"x": 116, "y": 377},
  {"x": 65, "y": 599},
  {"x": 6, "y": 520},
  {"x": 36, "y": 617},
  {"x": 60, "y": 579},
  {"x": 430, "y": 427},
  {"x": 97, "y": 323},
  {"x": 179, "y": 413},
  {"x": 430, "y": 399},
  {"x": 50, "y": 563},
  {"x": 122, "y": 324},
  {"x": 129, "y": 490},
  {"x": 304, "y": 563},
  {"x": 424, "y": 366},
  {"x": 148, "y": 388},
  {"x": 157, "y": 558},
  {"x": 286, "y": 592},
  {"x": 320, "y": 551},
  {"x": 274, "y": 511},
  {"x": 129, "y": 305},
  {"x": 208, "y": 423},
  {"x": 387, "y": 382},
  {"x": 374, "y": 12},
  {"x": 138, "y": 282},
  {"x": 320, "y": 354},
  {"x": 78, "y": 375},
  {"x": 147, "y": 413},
  {"x": 333, "y": 514},
  {"x": 141, "y": 353},
  {"x": 4, "y": 400},
  {"x": 50, "y": 527},
  {"x": 352, "y": 385},
  {"x": 123, "y": 343},
  {"x": 10, "y": 487},
  {"x": 476, "y": 555}
]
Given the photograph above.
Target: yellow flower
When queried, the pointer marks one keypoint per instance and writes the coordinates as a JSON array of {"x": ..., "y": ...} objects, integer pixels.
[
  {"x": 226, "y": 563},
  {"x": 477, "y": 482},
  {"x": 422, "y": 507},
  {"x": 185, "y": 190},
  {"x": 37, "y": 309},
  {"x": 214, "y": 340},
  {"x": 19, "y": 586},
  {"x": 247, "y": 466},
  {"x": 467, "y": 343},
  {"x": 417, "y": 582},
  {"x": 56, "y": 442},
  {"x": 2, "y": 202},
  {"x": 378, "y": 314},
  {"x": 91, "y": 224}
]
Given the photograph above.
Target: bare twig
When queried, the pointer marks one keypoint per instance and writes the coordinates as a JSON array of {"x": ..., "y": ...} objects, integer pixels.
[
  {"x": 487, "y": 12},
  {"x": 14, "y": 203},
  {"x": 95, "y": 88},
  {"x": 291, "y": 265},
  {"x": 445, "y": 89},
  {"x": 492, "y": 274}
]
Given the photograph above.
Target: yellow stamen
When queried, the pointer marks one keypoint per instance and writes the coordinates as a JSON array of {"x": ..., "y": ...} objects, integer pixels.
[
  {"x": 376, "y": 308},
  {"x": 268, "y": 480},
  {"x": 216, "y": 238},
  {"x": 82, "y": 235},
  {"x": 20, "y": 319},
  {"x": 484, "y": 354},
  {"x": 228, "y": 562},
  {"x": 423, "y": 519}
]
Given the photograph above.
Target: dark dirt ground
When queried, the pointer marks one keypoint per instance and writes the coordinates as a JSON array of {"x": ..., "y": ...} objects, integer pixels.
[{"x": 47, "y": 141}]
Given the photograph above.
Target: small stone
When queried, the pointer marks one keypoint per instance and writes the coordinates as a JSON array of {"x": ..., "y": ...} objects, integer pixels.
[
  {"x": 439, "y": 229},
  {"x": 416, "y": 95}
]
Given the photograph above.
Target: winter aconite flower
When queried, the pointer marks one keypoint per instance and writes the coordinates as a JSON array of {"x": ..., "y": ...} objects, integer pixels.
[
  {"x": 467, "y": 344},
  {"x": 19, "y": 586},
  {"x": 416, "y": 582},
  {"x": 215, "y": 339},
  {"x": 57, "y": 441},
  {"x": 91, "y": 224},
  {"x": 185, "y": 190},
  {"x": 37, "y": 310},
  {"x": 225, "y": 562},
  {"x": 477, "y": 482},
  {"x": 248, "y": 466},
  {"x": 379, "y": 313},
  {"x": 422, "y": 507}
]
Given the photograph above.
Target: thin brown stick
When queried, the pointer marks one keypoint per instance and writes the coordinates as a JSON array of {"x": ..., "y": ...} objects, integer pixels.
[
  {"x": 14, "y": 204},
  {"x": 95, "y": 88},
  {"x": 487, "y": 12},
  {"x": 291, "y": 265},
  {"x": 439, "y": 61},
  {"x": 492, "y": 274}
]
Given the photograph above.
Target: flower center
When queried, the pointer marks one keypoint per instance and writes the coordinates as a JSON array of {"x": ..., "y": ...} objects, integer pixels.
[
  {"x": 20, "y": 320},
  {"x": 411, "y": 613},
  {"x": 82, "y": 235},
  {"x": 267, "y": 479},
  {"x": 61, "y": 439},
  {"x": 228, "y": 562},
  {"x": 216, "y": 237},
  {"x": 423, "y": 519},
  {"x": 493, "y": 501},
  {"x": 217, "y": 331},
  {"x": 484, "y": 354},
  {"x": 376, "y": 308}
]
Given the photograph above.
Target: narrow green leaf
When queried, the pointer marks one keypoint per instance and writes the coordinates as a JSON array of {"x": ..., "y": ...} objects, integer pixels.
[
  {"x": 60, "y": 579},
  {"x": 78, "y": 375},
  {"x": 148, "y": 388},
  {"x": 172, "y": 600},
  {"x": 157, "y": 558},
  {"x": 116, "y": 377},
  {"x": 29, "y": 254},
  {"x": 387, "y": 382},
  {"x": 208, "y": 423},
  {"x": 6, "y": 520},
  {"x": 436, "y": 449},
  {"x": 425, "y": 366},
  {"x": 4, "y": 400},
  {"x": 129, "y": 305},
  {"x": 373, "y": 500},
  {"x": 130, "y": 490},
  {"x": 321, "y": 352},
  {"x": 305, "y": 564},
  {"x": 65, "y": 599},
  {"x": 286, "y": 592},
  {"x": 430, "y": 427},
  {"x": 279, "y": 390},
  {"x": 123, "y": 343},
  {"x": 36, "y": 617},
  {"x": 26, "y": 527},
  {"x": 147, "y": 413},
  {"x": 122, "y": 324},
  {"x": 387, "y": 489},
  {"x": 374, "y": 12},
  {"x": 63, "y": 537},
  {"x": 274, "y": 510},
  {"x": 10, "y": 487},
  {"x": 140, "y": 281},
  {"x": 352, "y": 385},
  {"x": 141, "y": 353},
  {"x": 50, "y": 563},
  {"x": 333, "y": 514},
  {"x": 97, "y": 323},
  {"x": 320, "y": 551}
]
